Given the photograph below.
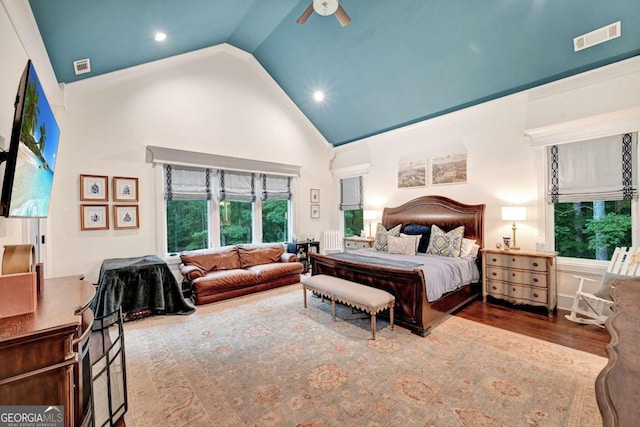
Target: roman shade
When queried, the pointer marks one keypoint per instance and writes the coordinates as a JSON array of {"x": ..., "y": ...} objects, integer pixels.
[
  {"x": 351, "y": 193},
  {"x": 184, "y": 183},
  {"x": 593, "y": 170},
  {"x": 275, "y": 187},
  {"x": 238, "y": 186}
]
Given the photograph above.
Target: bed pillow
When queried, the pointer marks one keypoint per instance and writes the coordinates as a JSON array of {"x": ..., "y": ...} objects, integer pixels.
[
  {"x": 467, "y": 247},
  {"x": 402, "y": 245},
  {"x": 423, "y": 230},
  {"x": 414, "y": 238},
  {"x": 381, "y": 236},
  {"x": 445, "y": 244}
]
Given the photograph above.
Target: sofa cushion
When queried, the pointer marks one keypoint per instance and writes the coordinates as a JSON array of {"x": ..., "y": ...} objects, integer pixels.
[
  {"x": 275, "y": 271},
  {"x": 224, "y": 279},
  {"x": 224, "y": 258},
  {"x": 259, "y": 254}
]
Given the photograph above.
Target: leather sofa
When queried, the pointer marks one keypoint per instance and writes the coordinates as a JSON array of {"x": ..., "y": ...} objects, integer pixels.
[{"x": 230, "y": 271}]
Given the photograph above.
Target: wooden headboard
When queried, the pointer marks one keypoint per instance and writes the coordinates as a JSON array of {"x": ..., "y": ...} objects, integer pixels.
[{"x": 444, "y": 212}]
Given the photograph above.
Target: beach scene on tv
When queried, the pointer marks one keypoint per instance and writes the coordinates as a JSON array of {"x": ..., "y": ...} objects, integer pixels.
[{"x": 35, "y": 164}]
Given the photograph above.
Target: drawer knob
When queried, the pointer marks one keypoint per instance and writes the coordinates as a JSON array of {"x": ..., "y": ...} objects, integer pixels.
[
  {"x": 495, "y": 260},
  {"x": 513, "y": 274},
  {"x": 513, "y": 260},
  {"x": 514, "y": 289},
  {"x": 494, "y": 274},
  {"x": 494, "y": 288},
  {"x": 535, "y": 264},
  {"x": 535, "y": 295},
  {"x": 535, "y": 280}
]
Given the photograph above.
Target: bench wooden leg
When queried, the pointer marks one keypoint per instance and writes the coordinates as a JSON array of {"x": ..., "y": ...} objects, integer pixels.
[
  {"x": 333, "y": 308},
  {"x": 391, "y": 316},
  {"x": 373, "y": 326},
  {"x": 304, "y": 292}
]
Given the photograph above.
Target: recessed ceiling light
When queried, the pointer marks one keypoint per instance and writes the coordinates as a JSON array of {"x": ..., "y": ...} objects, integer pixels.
[
  {"x": 160, "y": 36},
  {"x": 318, "y": 96}
]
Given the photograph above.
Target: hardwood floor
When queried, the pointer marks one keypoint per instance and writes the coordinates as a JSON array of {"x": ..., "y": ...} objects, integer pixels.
[{"x": 535, "y": 322}]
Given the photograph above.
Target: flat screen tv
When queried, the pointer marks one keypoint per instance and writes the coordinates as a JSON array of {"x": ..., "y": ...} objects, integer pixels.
[{"x": 31, "y": 157}]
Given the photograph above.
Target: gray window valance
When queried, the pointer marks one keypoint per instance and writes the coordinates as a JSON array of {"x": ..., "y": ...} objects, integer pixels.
[
  {"x": 183, "y": 183},
  {"x": 351, "y": 193},
  {"x": 597, "y": 169},
  {"x": 238, "y": 186}
]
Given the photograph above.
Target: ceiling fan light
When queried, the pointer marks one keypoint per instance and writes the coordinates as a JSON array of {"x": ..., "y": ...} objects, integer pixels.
[{"x": 325, "y": 7}]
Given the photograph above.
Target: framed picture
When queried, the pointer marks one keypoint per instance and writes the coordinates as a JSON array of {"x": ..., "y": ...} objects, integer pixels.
[
  {"x": 315, "y": 211},
  {"x": 412, "y": 172},
  {"x": 94, "y": 188},
  {"x": 125, "y": 189},
  {"x": 314, "y": 197},
  {"x": 125, "y": 216},
  {"x": 94, "y": 217},
  {"x": 451, "y": 169}
]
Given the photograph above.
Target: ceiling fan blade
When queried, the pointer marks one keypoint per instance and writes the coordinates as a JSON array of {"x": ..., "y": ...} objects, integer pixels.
[
  {"x": 342, "y": 16},
  {"x": 305, "y": 15}
]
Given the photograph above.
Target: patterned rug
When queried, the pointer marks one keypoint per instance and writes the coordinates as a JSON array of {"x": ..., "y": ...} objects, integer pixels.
[{"x": 265, "y": 360}]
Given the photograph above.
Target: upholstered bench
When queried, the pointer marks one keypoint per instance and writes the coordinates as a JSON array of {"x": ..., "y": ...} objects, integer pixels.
[{"x": 362, "y": 297}]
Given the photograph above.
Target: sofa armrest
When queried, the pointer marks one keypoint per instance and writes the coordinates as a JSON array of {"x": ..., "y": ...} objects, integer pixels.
[
  {"x": 191, "y": 271},
  {"x": 287, "y": 257}
]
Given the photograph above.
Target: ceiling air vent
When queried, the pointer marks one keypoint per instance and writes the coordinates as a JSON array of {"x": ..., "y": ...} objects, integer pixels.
[
  {"x": 82, "y": 66},
  {"x": 598, "y": 36}
]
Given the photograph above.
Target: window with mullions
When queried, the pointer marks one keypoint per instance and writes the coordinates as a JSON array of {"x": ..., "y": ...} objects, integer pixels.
[
  {"x": 187, "y": 198},
  {"x": 275, "y": 193},
  {"x": 351, "y": 204},
  {"x": 592, "y": 185}
]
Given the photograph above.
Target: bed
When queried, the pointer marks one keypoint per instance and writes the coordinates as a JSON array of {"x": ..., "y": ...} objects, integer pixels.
[{"x": 412, "y": 310}]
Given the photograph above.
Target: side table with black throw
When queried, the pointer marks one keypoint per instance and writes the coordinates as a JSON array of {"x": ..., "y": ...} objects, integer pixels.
[
  {"x": 302, "y": 250},
  {"x": 141, "y": 286}
]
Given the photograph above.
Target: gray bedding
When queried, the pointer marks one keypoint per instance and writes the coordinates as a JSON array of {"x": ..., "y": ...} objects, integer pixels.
[{"x": 442, "y": 274}]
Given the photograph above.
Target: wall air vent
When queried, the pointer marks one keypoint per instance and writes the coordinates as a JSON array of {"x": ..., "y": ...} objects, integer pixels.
[
  {"x": 598, "y": 36},
  {"x": 82, "y": 66}
]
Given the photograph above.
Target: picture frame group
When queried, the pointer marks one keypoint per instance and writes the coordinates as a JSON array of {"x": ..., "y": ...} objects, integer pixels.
[
  {"x": 95, "y": 214},
  {"x": 314, "y": 199}
]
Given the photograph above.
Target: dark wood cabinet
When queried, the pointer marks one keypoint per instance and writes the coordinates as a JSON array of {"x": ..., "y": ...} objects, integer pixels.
[
  {"x": 44, "y": 355},
  {"x": 302, "y": 250}
]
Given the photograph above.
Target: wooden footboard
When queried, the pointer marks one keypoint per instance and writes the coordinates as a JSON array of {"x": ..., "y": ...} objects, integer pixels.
[{"x": 412, "y": 310}]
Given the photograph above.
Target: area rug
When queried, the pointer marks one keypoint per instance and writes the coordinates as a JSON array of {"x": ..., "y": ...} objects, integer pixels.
[{"x": 265, "y": 360}]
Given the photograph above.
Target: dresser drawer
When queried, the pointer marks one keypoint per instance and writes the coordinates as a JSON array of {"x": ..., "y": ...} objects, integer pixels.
[
  {"x": 519, "y": 262},
  {"x": 358, "y": 243},
  {"x": 523, "y": 277},
  {"x": 517, "y": 293}
]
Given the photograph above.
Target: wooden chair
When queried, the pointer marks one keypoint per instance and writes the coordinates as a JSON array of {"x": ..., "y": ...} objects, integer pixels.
[{"x": 592, "y": 308}]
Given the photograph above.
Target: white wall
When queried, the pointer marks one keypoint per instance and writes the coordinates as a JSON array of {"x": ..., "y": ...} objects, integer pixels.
[{"x": 503, "y": 166}]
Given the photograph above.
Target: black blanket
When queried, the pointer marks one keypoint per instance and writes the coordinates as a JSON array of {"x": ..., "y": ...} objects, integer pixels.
[{"x": 138, "y": 284}]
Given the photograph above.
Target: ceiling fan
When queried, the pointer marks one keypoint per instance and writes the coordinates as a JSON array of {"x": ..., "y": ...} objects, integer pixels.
[{"x": 325, "y": 8}]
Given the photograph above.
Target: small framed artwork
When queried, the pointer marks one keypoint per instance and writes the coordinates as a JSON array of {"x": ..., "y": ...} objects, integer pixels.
[
  {"x": 94, "y": 188},
  {"x": 125, "y": 216},
  {"x": 125, "y": 189},
  {"x": 315, "y": 195},
  {"x": 451, "y": 169},
  {"x": 94, "y": 217},
  {"x": 315, "y": 211}
]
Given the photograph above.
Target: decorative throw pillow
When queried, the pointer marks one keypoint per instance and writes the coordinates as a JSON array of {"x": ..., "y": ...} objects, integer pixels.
[
  {"x": 402, "y": 245},
  {"x": 381, "y": 236},
  {"x": 467, "y": 247},
  {"x": 445, "y": 244},
  {"x": 423, "y": 230},
  {"x": 606, "y": 286},
  {"x": 416, "y": 239}
]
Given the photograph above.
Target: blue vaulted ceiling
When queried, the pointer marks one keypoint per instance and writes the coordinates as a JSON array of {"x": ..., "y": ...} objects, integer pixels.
[{"x": 397, "y": 63}]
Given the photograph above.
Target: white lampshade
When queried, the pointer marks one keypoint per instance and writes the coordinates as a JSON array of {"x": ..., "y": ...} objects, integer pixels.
[
  {"x": 514, "y": 213},
  {"x": 369, "y": 215}
]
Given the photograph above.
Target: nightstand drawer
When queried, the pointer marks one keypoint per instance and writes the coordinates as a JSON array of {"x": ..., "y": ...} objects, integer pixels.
[
  {"x": 358, "y": 243},
  {"x": 519, "y": 262},
  {"x": 523, "y": 277},
  {"x": 517, "y": 293}
]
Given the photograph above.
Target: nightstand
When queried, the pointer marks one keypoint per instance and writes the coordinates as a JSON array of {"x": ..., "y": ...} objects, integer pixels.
[
  {"x": 356, "y": 242},
  {"x": 520, "y": 277}
]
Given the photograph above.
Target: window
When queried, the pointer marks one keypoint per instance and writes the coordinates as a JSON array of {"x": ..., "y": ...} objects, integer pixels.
[
  {"x": 187, "y": 194},
  {"x": 351, "y": 204},
  {"x": 235, "y": 222},
  {"x": 592, "y": 185},
  {"x": 275, "y": 193}
]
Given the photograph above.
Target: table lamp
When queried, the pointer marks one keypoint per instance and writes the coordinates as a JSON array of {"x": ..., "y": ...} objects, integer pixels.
[
  {"x": 514, "y": 213},
  {"x": 369, "y": 215}
]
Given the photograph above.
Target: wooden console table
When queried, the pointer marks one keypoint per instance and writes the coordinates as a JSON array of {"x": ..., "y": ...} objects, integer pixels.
[
  {"x": 44, "y": 354},
  {"x": 617, "y": 389}
]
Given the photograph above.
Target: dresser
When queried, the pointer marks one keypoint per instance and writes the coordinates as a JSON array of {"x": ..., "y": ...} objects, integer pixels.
[
  {"x": 44, "y": 355},
  {"x": 355, "y": 242},
  {"x": 520, "y": 277},
  {"x": 617, "y": 389}
]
